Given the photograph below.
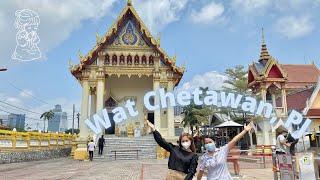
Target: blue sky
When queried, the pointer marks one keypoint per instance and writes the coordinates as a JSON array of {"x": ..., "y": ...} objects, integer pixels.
[{"x": 209, "y": 35}]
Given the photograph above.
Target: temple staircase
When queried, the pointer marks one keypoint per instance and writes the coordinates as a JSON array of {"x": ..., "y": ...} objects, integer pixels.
[{"x": 128, "y": 148}]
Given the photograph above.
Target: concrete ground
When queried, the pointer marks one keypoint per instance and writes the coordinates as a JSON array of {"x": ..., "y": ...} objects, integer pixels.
[{"x": 67, "y": 168}]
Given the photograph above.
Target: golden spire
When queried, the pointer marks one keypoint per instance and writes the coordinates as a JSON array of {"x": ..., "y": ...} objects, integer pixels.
[
  {"x": 264, "y": 54},
  {"x": 129, "y": 3}
]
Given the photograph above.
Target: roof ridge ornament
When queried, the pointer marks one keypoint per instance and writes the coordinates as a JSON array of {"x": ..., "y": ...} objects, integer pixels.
[
  {"x": 158, "y": 39},
  {"x": 129, "y": 3},
  {"x": 98, "y": 38}
]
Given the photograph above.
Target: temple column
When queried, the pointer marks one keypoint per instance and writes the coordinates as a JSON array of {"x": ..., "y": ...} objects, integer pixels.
[
  {"x": 93, "y": 104},
  {"x": 265, "y": 123},
  {"x": 100, "y": 89},
  {"x": 100, "y": 94},
  {"x": 170, "y": 113},
  {"x": 284, "y": 100},
  {"x": 84, "y": 109},
  {"x": 156, "y": 86}
]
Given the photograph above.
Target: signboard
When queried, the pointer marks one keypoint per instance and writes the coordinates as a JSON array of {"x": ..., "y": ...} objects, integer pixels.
[
  {"x": 285, "y": 167},
  {"x": 306, "y": 166}
]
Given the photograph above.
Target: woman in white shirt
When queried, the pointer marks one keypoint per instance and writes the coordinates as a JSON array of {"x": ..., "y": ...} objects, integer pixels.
[{"x": 215, "y": 160}]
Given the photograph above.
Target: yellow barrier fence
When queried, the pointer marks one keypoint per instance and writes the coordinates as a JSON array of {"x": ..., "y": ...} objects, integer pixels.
[{"x": 20, "y": 141}]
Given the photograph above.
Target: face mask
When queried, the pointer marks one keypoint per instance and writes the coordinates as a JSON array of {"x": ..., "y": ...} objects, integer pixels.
[
  {"x": 210, "y": 147},
  {"x": 186, "y": 144}
]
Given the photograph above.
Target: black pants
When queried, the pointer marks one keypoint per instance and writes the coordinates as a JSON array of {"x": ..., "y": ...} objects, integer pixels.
[
  {"x": 100, "y": 149},
  {"x": 90, "y": 155}
]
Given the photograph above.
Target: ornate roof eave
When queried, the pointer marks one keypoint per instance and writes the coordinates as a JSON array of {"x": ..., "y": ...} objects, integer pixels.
[
  {"x": 270, "y": 64},
  {"x": 253, "y": 70},
  {"x": 113, "y": 31}
]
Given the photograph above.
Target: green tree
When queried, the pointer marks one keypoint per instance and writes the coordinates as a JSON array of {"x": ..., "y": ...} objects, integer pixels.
[
  {"x": 237, "y": 80},
  {"x": 237, "y": 83},
  {"x": 195, "y": 115},
  {"x": 46, "y": 116}
]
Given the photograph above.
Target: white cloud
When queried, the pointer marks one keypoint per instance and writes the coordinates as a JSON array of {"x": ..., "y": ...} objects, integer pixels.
[
  {"x": 293, "y": 5},
  {"x": 58, "y": 20},
  {"x": 156, "y": 14},
  {"x": 214, "y": 80},
  {"x": 14, "y": 101},
  {"x": 26, "y": 93},
  {"x": 250, "y": 6},
  {"x": 294, "y": 27},
  {"x": 208, "y": 13}
]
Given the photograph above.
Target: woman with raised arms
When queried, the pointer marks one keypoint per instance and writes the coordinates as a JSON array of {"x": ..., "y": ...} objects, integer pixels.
[
  {"x": 215, "y": 160},
  {"x": 183, "y": 159}
]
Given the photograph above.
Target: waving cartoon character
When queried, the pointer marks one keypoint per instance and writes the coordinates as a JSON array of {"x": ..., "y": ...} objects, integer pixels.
[{"x": 27, "y": 22}]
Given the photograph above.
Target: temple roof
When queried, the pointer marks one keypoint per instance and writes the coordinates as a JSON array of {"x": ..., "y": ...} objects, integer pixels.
[
  {"x": 313, "y": 106},
  {"x": 302, "y": 96},
  {"x": 302, "y": 75},
  {"x": 112, "y": 32}
]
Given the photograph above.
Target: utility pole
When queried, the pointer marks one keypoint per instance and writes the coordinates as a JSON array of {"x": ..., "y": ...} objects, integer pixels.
[
  {"x": 73, "y": 109},
  {"x": 78, "y": 117}
]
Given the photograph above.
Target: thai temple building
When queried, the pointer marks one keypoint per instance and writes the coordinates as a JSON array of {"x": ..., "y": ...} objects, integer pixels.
[
  {"x": 124, "y": 64},
  {"x": 286, "y": 86}
]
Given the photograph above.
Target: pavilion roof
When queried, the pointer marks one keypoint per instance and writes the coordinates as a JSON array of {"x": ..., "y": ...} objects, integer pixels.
[
  {"x": 229, "y": 124},
  {"x": 295, "y": 76}
]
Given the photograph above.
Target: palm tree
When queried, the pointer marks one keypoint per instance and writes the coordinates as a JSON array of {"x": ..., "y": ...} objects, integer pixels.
[{"x": 46, "y": 116}]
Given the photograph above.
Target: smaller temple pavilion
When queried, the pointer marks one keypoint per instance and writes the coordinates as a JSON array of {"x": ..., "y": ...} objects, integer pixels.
[{"x": 286, "y": 86}]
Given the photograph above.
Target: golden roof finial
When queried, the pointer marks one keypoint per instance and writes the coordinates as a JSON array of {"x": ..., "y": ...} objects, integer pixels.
[
  {"x": 262, "y": 36},
  {"x": 159, "y": 39},
  {"x": 70, "y": 63},
  {"x": 80, "y": 54},
  {"x": 183, "y": 67},
  {"x": 98, "y": 38},
  {"x": 129, "y": 3},
  {"x": 174, "y": 58}
]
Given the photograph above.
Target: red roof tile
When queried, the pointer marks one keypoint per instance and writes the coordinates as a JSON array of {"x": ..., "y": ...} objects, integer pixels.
[
  {"x": 313, "y": 112},
  {"x": 297, "y": 100},
  {"x": 300, "y": 76}
]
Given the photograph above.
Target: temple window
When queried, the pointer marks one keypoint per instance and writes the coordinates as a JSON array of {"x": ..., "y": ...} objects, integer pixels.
[
  {"x": 129, "y": 60},
  {"x": 144, "y": 60},
  {"x": 151, "y": 62},
  {"x": 114, "y": 60},
  {"x": 136, "y": 59},
  {"x": 107, "y": 59},
  {"x": 122, "y": 59}
]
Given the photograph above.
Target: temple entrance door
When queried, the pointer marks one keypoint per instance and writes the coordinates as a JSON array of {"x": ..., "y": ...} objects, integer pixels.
[
  {"x": 111, "y": 129},
  {"x": 151, "y": 117}
]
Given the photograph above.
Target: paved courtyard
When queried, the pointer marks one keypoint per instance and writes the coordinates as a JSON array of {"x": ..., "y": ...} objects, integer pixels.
[{"x": 67, "y": 168}]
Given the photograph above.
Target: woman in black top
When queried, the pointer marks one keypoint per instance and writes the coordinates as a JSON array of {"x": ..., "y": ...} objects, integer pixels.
[{"x": 183, "y": 160}]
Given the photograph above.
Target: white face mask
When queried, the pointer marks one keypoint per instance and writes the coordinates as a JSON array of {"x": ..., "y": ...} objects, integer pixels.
[{"x": 186, "y": 144}]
